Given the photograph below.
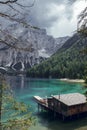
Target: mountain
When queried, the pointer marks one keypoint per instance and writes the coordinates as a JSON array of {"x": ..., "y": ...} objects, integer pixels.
[
  {"x": 43, "y": 46},
  {"x": 60, "y": 41},
  {"x": 68, "y": 62}
]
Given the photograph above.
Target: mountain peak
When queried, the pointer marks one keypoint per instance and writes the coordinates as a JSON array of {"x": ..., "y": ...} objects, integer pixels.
[{"x": 44, "y": 46}]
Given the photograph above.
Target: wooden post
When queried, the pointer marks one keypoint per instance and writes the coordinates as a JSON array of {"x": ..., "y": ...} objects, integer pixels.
[
  {"x": 54, "y": 114},
  {"x": 70, "y": 117},
  {"x": 63, "y": 117},
  {"x": 78, "y": 115},
  {"x": 42, "y": 108},
  {"x": 38, "y": 108}
]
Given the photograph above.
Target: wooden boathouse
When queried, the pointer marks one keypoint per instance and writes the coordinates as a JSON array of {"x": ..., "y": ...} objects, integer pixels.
[{"x": 64, "y": 104}]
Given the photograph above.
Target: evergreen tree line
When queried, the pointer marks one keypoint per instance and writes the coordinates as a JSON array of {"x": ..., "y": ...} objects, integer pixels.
[{"x": 68, "y": 63}]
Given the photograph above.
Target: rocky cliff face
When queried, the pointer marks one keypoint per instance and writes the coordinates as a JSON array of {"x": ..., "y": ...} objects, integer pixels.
[
  {"x": 60, "y": 41},
  {"x": 43, "y": 47}
]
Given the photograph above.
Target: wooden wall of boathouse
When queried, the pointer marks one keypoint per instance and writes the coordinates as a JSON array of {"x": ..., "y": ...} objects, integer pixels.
[
  {"x": 66, "y": 110},
  {"x": 77, "y": 109}
]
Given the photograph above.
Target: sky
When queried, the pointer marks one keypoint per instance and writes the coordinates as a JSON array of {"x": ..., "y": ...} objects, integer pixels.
[{"x": 58, "y": 17}]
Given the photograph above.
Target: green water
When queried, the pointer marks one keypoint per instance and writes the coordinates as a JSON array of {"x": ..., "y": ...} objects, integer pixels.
[{"x": 24, "y": 90}]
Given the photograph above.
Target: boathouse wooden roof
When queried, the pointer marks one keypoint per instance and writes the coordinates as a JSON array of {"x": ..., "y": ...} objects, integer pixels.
[{"x": 71, "y": 99}]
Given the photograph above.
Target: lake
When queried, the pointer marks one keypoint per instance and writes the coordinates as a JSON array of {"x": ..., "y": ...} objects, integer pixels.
[{"x": 24, "y": 90}]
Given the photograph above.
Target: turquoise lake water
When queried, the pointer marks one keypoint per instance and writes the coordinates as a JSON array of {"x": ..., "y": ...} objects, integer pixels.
[{"x": 24, "y": 90}]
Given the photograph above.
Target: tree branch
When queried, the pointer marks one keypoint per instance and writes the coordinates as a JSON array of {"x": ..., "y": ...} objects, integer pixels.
[
  {"x": 25, "y": 5},
  {"x": 8, "y": 1},
  {"x": 30, "y": 49},
  {"x": 14, "y": 40},
  {"x": 14, "y": 19},
  {"x": 26, "y": 25},
  {"x": 8, "y": 39},
  {"x": 15, "y": 9}
]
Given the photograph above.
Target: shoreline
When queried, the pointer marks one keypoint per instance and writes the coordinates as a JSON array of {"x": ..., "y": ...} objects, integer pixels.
[{"x": 72, "y": 80}]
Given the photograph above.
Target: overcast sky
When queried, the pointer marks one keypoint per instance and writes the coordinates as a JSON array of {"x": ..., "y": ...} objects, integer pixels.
[{"x": 58, "y": 17}]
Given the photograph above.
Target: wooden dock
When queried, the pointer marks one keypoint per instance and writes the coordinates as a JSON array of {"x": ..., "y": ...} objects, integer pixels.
[
  {"x": 43, "y": 102},
  {"x": 65, "y": 104}
]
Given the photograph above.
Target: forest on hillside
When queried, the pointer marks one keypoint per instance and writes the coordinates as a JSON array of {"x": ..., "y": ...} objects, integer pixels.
[{"x": 68, "y": 62}]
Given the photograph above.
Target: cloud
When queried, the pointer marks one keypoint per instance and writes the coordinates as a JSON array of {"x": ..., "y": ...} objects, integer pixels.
[
  {"x": 67, "y": 24},
  {"x": 45, "y": 12},
  {"x": 58, "y": 17}
]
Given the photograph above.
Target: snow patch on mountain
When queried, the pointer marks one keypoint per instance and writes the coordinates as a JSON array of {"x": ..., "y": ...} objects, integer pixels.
[
  {"x": 43, "y": 47},
  {"x": 43, "y": 53}
]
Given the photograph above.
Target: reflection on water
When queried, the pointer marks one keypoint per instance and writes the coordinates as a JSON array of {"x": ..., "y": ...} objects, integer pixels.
[
  {"x": 25, "y": 89},
  {"x": 22, "y": 82}
]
